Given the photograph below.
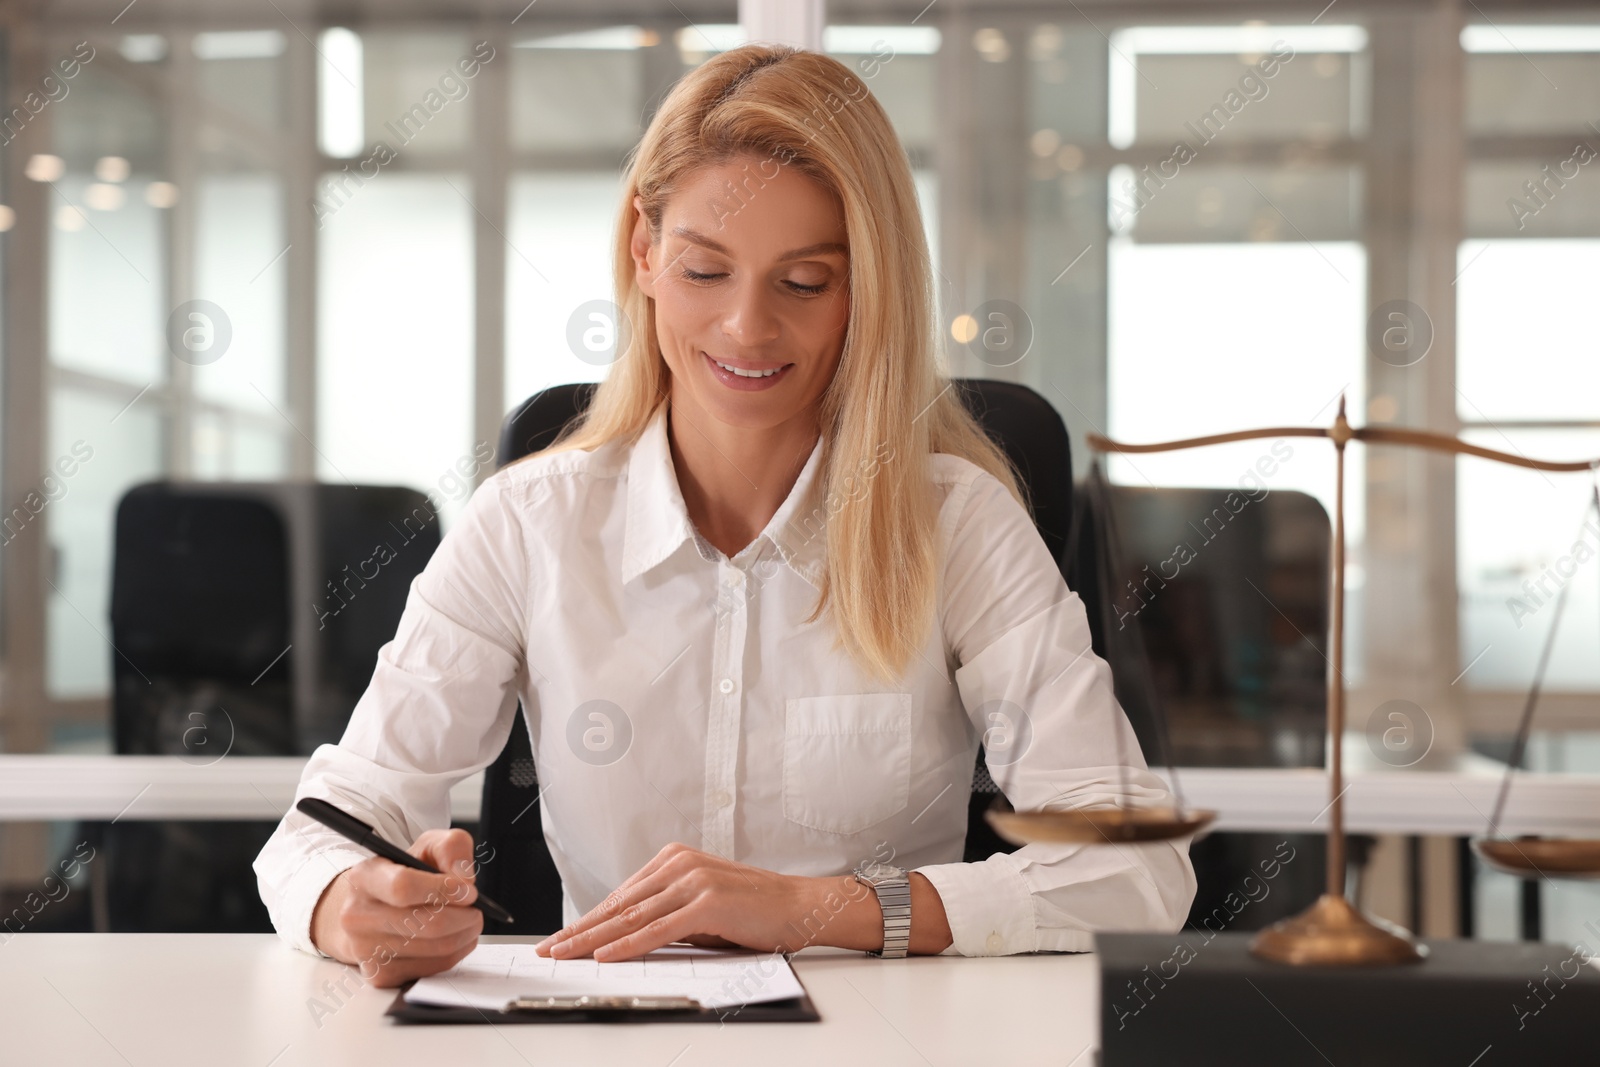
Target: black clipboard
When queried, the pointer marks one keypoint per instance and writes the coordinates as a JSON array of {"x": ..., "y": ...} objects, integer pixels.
[{"x": 793, "y": 1010}]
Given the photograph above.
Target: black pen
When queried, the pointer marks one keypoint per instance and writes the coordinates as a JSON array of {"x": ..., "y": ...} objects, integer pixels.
[{"x": 367, "y": 837}]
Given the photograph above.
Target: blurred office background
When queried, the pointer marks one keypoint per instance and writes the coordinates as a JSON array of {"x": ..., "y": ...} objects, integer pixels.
[{"x": 1403, "y": 214}]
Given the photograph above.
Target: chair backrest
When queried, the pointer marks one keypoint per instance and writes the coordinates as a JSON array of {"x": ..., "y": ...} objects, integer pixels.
[
  {"x": 522, "y": 873},
  {"x": 1216, "y": 601},
  {"x": 268, "y": 599},
  {"x": 194, "y": 629}
]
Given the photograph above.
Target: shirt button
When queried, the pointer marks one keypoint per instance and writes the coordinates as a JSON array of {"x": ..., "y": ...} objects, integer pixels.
[
  {"x": 995, "y": 943},
  {"x": 726, "y": 685},
  {"x": 721, "y": 798}
]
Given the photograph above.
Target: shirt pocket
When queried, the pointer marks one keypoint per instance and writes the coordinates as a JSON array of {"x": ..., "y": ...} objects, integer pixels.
[{"x": 846, "y": 760}]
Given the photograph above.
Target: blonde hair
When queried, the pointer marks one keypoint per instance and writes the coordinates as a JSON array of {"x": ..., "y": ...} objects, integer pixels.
[{"x": 804, "y": 109}]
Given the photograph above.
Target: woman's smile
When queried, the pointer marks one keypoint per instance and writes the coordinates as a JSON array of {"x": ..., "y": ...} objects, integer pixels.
[{"x": 745, "y": 374}]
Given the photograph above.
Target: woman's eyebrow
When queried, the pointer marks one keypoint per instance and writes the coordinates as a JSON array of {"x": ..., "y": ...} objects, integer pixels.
[{"x": 826, "y": 247}]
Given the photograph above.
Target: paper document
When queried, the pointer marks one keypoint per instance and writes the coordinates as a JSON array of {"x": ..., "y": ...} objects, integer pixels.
[{"x": 494, "y": 975}]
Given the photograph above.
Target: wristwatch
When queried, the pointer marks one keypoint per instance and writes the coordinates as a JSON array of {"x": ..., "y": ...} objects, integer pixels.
[{"x": 893, "y": 887}]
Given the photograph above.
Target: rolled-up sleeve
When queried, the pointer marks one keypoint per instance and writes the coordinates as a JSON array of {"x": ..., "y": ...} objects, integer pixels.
[
  {"x": 439, "y": 708},
  {"x": 1021, "y": 640}
]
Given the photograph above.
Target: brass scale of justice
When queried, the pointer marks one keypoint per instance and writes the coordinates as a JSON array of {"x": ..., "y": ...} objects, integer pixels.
[{"x": 1332, "y": 932}]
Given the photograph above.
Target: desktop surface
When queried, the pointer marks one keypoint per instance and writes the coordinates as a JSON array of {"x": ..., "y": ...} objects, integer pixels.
[{"x": 250, "y": 1000}]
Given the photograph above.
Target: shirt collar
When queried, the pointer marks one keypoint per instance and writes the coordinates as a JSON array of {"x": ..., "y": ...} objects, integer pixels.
[{"x": 658, "y": 523}]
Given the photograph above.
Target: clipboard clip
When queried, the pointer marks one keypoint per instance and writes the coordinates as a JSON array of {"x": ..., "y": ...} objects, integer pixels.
[{"x": 603, "y": 1003}]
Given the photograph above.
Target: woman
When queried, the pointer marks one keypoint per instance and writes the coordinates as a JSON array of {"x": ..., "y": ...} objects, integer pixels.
[{"x": 760, "y": 607}]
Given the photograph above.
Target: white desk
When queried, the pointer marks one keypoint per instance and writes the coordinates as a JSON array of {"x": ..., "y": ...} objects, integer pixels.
[
  {"x": 1453, "y": 802},
  {"x": 241, "y": 1000}
]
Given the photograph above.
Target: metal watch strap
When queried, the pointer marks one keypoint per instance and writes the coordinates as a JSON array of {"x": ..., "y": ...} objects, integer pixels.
[{"x": 895, "y": 901}]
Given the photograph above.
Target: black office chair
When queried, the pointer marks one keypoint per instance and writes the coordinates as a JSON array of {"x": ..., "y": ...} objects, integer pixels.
[
  {"x": 230, "y": 640},
  {"x": 522, "y": 874},
  {"x": 1221, "y": 641}
]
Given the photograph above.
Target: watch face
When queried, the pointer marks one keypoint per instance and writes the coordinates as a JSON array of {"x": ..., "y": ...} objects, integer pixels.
[{"x": 872, "y": 872}]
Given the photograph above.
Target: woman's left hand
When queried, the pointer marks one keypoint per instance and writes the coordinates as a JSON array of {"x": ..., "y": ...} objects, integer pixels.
[{"x": 684, "y": 894}]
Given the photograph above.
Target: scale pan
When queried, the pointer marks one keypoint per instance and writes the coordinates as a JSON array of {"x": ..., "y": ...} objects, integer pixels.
[
  {"x": 1095, "y": 826},
  {"x": 1536, "y": 857}
]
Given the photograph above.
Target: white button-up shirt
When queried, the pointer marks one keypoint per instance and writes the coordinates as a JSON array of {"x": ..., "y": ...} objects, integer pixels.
[{"x": 674, "y": 694}]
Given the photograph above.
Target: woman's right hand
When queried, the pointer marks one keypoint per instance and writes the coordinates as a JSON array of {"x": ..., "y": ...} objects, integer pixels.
[{"x": 395, "y": 923}]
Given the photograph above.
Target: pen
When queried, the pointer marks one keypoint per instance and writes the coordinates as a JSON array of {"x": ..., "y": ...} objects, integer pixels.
[{"x": 368, "y": 838}]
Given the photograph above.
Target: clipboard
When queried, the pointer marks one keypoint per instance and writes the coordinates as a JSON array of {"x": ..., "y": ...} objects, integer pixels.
[{"x": 607, "y": 1010}]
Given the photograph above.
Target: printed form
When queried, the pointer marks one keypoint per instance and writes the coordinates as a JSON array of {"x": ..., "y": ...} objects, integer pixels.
[{"x": 494, "y": 975}]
